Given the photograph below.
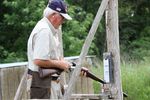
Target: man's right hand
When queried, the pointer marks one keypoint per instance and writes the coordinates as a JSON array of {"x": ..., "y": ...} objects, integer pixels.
[{"x": 63, "y": 64}]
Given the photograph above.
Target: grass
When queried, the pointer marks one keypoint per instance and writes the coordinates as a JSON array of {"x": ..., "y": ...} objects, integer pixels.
[
  {"x": 135, "y": 80},
  {"x": 98, "y": 71}
]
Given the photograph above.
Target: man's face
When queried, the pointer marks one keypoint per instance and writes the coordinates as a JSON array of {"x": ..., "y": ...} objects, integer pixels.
[{"x": 59, "y": 20}]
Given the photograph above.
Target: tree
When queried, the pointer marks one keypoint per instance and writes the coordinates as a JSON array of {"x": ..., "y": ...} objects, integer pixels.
[
  {"x": 75, "y": 34},
  {"x": 134, "y": 26},
  {"x": 18, "y": 21},
  {"x": 19, "y": 17}
]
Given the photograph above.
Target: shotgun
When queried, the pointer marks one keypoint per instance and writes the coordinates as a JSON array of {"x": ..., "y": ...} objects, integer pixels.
[{"x": 46, "y": 72}]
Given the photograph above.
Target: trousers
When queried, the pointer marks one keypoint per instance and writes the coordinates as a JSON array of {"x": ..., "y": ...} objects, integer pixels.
[{"x": 44, "y": 88}]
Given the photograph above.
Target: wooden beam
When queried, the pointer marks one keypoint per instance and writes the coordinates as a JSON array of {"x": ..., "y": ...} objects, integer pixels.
[
  {"x": 113, "y": 47},
  {"x": 63, "y": 75},
  {"x": 87, "y": 96},
  {"x": 85, "y": 48},
  {"x": 21, "y": 86}
]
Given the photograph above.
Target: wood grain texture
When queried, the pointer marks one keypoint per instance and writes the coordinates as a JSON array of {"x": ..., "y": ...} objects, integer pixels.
[
  {"x": 10, "y": 79},
  {"x": 113, "y": 47}
]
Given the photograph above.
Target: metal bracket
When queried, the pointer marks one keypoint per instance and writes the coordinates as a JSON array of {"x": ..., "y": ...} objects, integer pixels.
[{"x": 108, "y": 67}]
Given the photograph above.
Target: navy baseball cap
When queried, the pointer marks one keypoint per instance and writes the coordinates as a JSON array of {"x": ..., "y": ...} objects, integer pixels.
[{"x": 59, "y": 6}]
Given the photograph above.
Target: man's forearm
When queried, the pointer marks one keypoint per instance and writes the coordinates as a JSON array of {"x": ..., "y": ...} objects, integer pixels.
[{"x": 49, "y": 63}]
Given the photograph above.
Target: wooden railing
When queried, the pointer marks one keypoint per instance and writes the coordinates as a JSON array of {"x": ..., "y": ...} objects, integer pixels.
[{"x": 11, "y": 74}]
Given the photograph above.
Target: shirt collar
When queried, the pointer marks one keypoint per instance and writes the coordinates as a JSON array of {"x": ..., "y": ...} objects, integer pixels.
[{"x": 54, "y": 31}]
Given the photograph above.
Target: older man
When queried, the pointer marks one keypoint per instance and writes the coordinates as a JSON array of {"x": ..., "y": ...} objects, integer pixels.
[{"x": 44, "y": 51}]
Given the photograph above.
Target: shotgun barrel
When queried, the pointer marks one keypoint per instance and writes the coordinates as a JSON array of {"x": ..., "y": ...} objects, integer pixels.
[{"x": 89, "y": 74}]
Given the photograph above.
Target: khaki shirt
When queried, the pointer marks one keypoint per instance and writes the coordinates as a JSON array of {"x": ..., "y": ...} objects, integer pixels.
[{"x": 43, "y": 43}]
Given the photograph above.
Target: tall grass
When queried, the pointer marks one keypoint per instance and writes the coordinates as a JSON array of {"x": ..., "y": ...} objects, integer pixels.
[
  {"x": 135, "y": 80},
  {"x": 98, "y": 71}
]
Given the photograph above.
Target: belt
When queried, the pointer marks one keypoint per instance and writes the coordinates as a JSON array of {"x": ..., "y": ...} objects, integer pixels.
[{"x": 54, "y": 78}]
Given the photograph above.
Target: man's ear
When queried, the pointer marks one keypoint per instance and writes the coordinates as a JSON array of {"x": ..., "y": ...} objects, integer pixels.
[{"x": 53, "y": 15}]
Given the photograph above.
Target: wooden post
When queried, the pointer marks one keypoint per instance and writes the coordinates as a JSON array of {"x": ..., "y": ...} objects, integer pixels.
[
  {"x": 113, "y": 47},
  {"x": 63, "y": 75},
  {"x": 85, "y": 48},
  {"x": 21, "y": 86}
]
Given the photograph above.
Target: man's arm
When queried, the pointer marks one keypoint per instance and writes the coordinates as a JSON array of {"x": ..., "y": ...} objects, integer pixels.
[{"x": 62, "y": 64}]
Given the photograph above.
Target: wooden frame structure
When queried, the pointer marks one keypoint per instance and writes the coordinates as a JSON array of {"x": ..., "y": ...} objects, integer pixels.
[{"x": 114, "y": 89}]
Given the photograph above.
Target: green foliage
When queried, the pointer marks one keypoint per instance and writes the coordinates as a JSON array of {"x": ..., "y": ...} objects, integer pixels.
[
  {"x": 75, "y": 31},
  {"x": 22, "y": 17},
  {"x": 19, "y": 21},
  {"x": 90, "y": 6},
  {"x": 19, "y": 17},
  {"x": 3, "y": 53},
  {"x": 8, "y": 57},
  {"x": 134, "y": 28},
  {"x": 99, "y": 42},
  {"x": 15, "y": 57},
  {"x": 17, "y": 24}
]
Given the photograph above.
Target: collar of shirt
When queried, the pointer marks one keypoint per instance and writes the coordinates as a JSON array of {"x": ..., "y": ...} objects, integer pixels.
[{"x": 54, "y": 31}]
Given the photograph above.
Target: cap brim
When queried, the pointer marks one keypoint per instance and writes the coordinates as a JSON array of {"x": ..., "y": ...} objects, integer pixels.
[{"x": 66, "y": 16}]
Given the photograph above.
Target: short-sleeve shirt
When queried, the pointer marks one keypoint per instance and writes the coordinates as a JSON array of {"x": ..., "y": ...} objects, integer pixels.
[{"x": 43, "y": 43}]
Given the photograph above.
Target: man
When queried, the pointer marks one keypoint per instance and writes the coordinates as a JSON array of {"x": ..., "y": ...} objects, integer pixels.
[{"x": 44, "y": 50}]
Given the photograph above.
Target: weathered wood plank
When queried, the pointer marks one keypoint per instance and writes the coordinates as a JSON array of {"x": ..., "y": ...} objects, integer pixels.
[
  {"x": 21, "y": 87},
  {"x": 86, "y": 96},
  {"x": 5, "y": 88},
  {"x": 113, "y": 46},
  {"x": 10, "y": 78},
  {"x": 11, "y": 83},
  {"x": 20, "y": 72},
  {"x": 78, "y": 86},
  {"x": 83, "y": 85},
  {"x": 89, "y": 82},
  {"x": 90, "y": 86}
]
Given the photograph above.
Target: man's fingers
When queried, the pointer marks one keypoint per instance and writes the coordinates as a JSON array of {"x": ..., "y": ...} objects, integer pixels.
[{"x": 83, "y": 73}]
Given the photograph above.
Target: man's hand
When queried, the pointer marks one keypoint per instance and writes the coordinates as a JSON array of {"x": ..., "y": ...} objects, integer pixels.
[
  {"x": 84, "y": 71},
  {"x": 64, "y": 64}
]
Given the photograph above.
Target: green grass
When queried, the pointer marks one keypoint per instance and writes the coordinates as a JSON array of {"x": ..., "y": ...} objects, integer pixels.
[
  {"x": 135, "y": 80},
  {"x": 98, "y": 71}
]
